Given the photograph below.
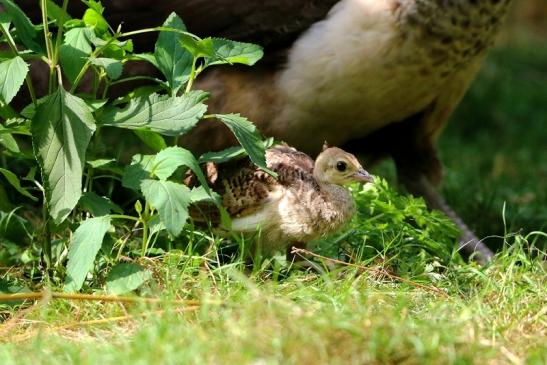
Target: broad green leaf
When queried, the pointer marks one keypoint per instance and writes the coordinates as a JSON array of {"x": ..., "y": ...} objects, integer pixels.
[
  {"x": 7, "y": 140},
  {"x": 172, "y": 59},
  {"x": 126, "y": 277},
  {"x": 56, "y": 13},
  {"x": 152, "y": 139},
  {"x": 227, "y": 51},
  {"x": 30, "y": 110},
  {"x": 27, "y": 32},
  {"x": 5, "y": 21},
  {"x": 117, "y": 50},
  {"x": 94, "y": 104},
  {"x": 98, "y": 205},
  {"x": 61, "y": 130},
  {"x": 142, "y": 91},
  {"x": 248, "y": 136},
  {"x": 170, "y": 116},
  {"x": 96, "y": 164},
  {"x": 14, "y": 181},
  {"x": 138, "y": 171},
  {"x": 230, "y": 153},
  {"x": 83, "y": 248},
  {"x": 198, "y": 47},
  {"x": 149, "y": 57},
  {"x": 74, "y": 51},
  {"x": 199, "y": 194},
  {"x": 9, "y": 143},
  {"x": 168, "y": 160},
  {"x": 95, "y": 5},
  {"x": 12, "y": 76},
  {"x": 96, "y": 21},
  {"x": 113, "y": 67},
  {"x": 224, "y": 155},
  {"x": 74, "y": 23},
  {"x": 171, "y": 200}
]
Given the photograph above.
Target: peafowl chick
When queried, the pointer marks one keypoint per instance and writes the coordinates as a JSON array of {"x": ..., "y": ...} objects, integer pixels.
[{"x": 307, "y": 200}]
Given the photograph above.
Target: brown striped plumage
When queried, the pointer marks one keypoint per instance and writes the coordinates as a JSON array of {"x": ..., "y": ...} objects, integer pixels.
[{"x": 306, "y": 200}]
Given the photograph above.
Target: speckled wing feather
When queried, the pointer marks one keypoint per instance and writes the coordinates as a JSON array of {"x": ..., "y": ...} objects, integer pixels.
[{"x": 244, "y": 188}]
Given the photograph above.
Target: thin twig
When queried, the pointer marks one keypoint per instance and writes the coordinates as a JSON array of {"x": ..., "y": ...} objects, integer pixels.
[
  {"x": 91, "y": 297},
  {"x": 300, "y": 252}
]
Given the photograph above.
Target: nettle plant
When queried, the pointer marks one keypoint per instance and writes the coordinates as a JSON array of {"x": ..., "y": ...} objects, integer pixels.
[{"x": 64, "y": 129}]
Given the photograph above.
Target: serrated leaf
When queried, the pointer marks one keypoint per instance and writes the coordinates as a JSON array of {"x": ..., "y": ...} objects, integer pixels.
[
  {"x": 152, "y": 139},
  {"x": 171, "y": 200},
  {"x": 227, "y": 51},
  {"x": 171, "y": 58},
  {"x": 27, "y": 32},
  {"x": 126, "y": 277},
  {"x": 170, "y": 116},
  {"x": 83, "y": 248},
  {"x": 98, "y": 205},
  {"x": 74, "y": 51},
  {"x": 168, "y": 160},
  {"x": 248, "y": 136},
  {"x": 12, "y": 76},
  {"x": 138, "y": 171},
  {"x": 113, "y": 67},
  {"x": 61, "y": 130},
  {"x": 14, "y": 181}
]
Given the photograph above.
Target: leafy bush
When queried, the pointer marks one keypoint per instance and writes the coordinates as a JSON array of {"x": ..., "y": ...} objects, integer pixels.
[
  {"x": 397, "y": 230},
  {"x": 59, "y": 134}
]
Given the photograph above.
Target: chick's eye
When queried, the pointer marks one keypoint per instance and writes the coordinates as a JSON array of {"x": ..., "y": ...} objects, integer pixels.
[{"x": 341, "y": 166}]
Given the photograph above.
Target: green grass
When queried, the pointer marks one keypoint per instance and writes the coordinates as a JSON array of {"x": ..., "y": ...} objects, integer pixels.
[
  {"x": 346, "y": 317},
  {"x": 495, "y": 154}
]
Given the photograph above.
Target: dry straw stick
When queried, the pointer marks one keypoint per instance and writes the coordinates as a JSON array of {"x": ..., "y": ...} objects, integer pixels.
[
  {"x": 108, "y": 320},
  {"x": 92, "y": 297}
]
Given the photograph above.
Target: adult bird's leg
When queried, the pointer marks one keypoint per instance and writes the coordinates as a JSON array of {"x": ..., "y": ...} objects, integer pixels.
[
  {"x": 470, "y": 245},
  {"x": 419, "y": 171}
]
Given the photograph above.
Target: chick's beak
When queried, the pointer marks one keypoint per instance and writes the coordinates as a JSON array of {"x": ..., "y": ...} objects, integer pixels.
[{"x": 363, "y": 176}]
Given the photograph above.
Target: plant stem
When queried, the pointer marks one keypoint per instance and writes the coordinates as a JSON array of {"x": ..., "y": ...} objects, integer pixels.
[
  {"x": 13, "y": 48},
  {"x": 157, "y": 29},
  {"x": 145, "y": 229},
  {"x": 136, "y": 78},
  {"x": 88, "y": 63},
  {"x": 192, "y": 76},
  {"x": 49, "y": 46},
  {"x": 60, "y": 31},
  {"x": 123, "y": 216}
]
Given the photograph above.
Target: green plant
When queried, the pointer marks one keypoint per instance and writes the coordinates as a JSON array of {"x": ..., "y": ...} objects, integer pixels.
[{"x": 60, "y": 134}]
